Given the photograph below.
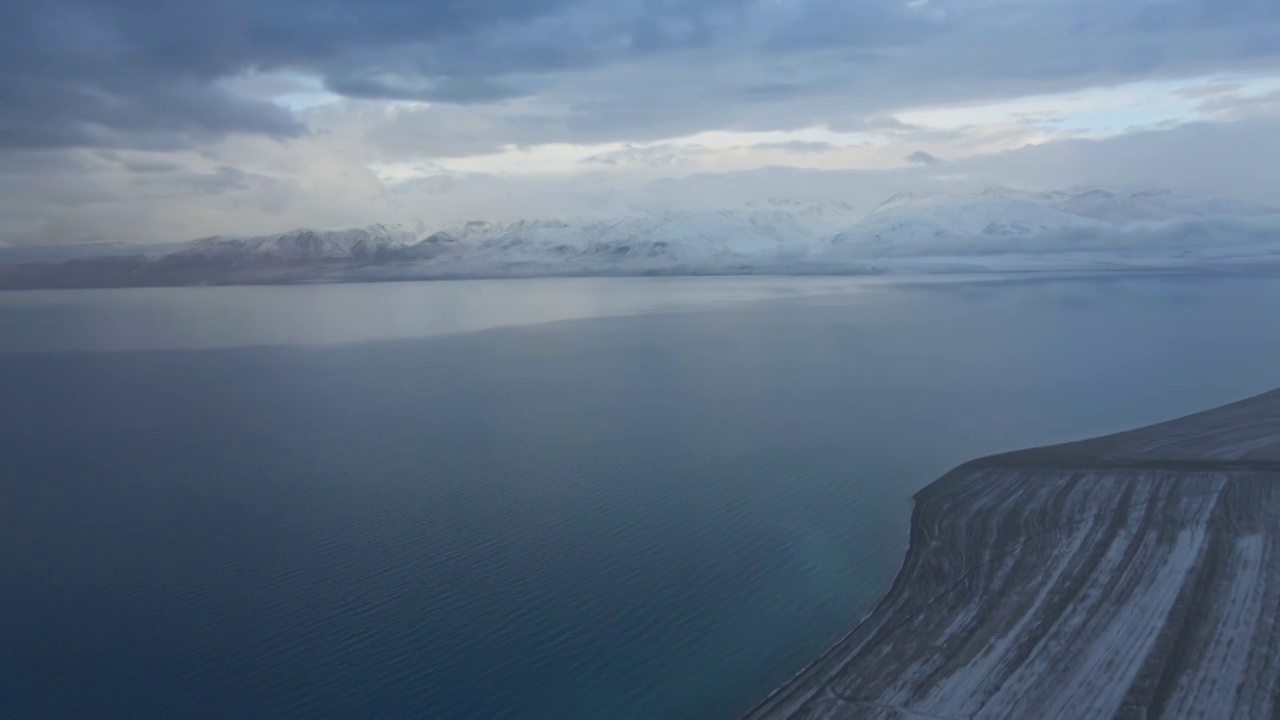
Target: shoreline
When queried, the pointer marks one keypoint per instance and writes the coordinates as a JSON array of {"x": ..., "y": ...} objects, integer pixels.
[
  {"x": 137, "y": 272},
  {"x": 1108, "y": 577}
]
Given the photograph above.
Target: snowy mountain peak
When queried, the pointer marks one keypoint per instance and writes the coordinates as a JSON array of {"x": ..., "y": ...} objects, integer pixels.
[{"x": 994, "y": 220}]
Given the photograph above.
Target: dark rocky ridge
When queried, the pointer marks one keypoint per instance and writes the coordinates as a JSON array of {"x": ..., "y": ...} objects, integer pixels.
[{"x": 1134, "y": 575}]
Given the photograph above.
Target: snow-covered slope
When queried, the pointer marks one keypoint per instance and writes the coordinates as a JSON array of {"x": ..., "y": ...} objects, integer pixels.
[
  {"x": 1000, "y": 221},
  {"x": 778, "y": 229},
  {"x": 784, "y": 231},
  {"x": 313, "y": 244},
  {"x": 1133, "y": 575},
  {"x": 1149, "y": 205},
  {"x": 996, "y": 229},
  {"x": 993, "y": 225}
]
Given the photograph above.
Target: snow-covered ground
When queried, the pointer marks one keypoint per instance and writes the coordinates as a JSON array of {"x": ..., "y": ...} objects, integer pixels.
[
  {"x": 1134, "y": 575},
  {"x": 1107, "y": 225},
  {"x": 997, "y": 229}
]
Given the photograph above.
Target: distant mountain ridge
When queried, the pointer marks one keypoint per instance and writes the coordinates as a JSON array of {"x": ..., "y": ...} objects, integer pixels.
[
  {"x": 777, "y": 226},
  {"x": 306, "y": 244},
  {"x": 1093, "y": 202},
  {"x": 993, "y": 229},
  {"x": 1000, "y": 220}
]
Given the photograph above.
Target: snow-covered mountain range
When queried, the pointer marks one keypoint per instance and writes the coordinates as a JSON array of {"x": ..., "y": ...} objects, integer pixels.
[
  {"x": 1000, "y": 221},
  {"x": 996, "y": 221},
  {"x": 768, "y": 230},
  {"x": 995, "y": 229},
  {"x": 365, "y": 242}
]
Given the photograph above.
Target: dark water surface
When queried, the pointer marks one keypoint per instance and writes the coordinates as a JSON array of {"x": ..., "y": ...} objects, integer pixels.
[{"x": 660, "y": 509}]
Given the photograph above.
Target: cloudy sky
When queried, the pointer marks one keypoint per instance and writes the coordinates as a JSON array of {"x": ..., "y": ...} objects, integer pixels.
[{"x": 160, "y": 121}]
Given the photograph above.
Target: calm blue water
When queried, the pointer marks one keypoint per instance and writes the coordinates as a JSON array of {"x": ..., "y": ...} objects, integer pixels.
[{"x": 431, "y": 501}]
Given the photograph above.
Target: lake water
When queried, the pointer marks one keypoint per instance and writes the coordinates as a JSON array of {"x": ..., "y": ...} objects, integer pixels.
[{"x": 561, "y": 499}]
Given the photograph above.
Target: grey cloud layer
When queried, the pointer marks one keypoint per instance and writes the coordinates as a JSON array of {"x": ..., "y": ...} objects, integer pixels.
[
  {"x": 93, "y": 196},
  {"x": 144, "y": 73}
]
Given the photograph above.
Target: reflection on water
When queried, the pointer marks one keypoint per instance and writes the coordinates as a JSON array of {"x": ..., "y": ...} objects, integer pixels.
[
  {"x": 214, "y": 317},
  {"x": 654, "y": 515}
]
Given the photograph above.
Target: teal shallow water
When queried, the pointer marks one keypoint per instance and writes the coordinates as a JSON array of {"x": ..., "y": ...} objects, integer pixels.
[{"x": 660, "y": 513}]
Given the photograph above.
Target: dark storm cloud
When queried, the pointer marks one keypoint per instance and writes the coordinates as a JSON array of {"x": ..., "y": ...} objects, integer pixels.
[
  {"x": 79, "y": 75},
  {"x": 818, "y": 24},
  {"x": 784, "y": 65},
  {"x": 145, "y": 73},
  {"x": 142, "y": 72}
]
